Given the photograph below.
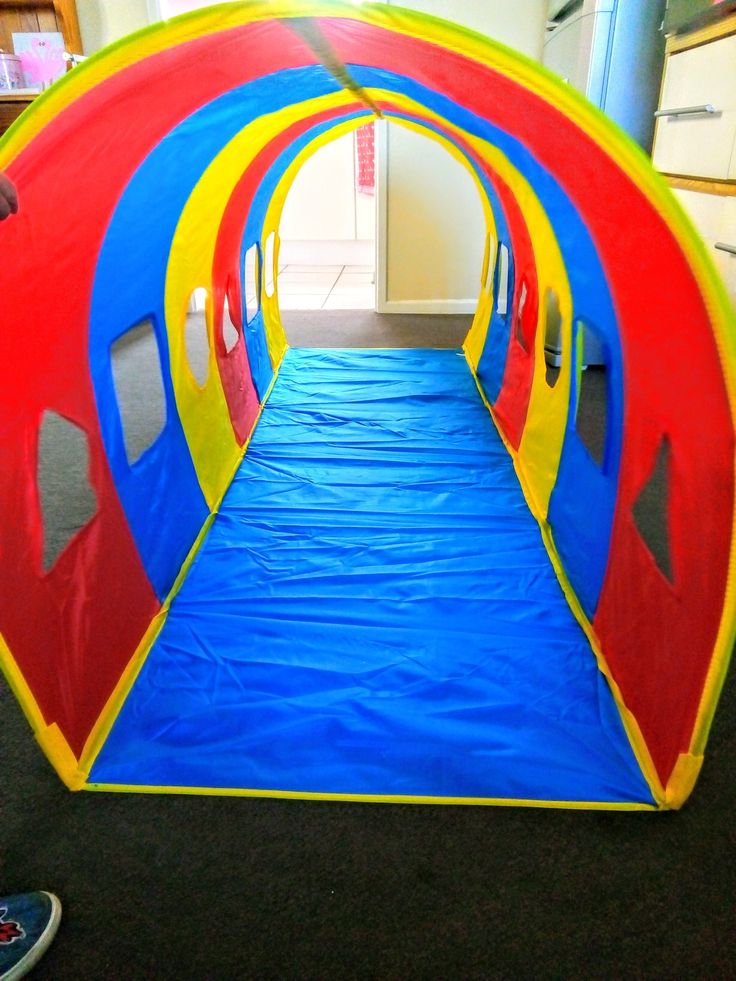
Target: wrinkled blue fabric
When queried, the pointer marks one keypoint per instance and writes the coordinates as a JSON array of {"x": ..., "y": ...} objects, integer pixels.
[{"x": 374, "y": 612}]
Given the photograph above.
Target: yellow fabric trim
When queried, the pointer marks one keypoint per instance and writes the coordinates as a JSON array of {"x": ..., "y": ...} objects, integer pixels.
[
  {"x": 49, "y": 737},
  {"x": 682, "y": 779},
  {"x": 115, "y": 702},
  {"x": 61, "y": 757},
  {"x": 631, "y": 726},
  {"x": 368, "y": 798}
]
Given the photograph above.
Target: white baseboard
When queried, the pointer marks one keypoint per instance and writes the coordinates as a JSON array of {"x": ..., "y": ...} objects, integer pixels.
[{"x": 427, "y": 306}]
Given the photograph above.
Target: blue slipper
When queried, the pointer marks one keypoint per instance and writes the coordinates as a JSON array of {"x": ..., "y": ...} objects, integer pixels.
[{"x": 28, "y": 924}]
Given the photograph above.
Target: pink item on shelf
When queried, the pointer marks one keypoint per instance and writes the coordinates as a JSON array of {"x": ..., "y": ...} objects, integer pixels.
[
  {"x": 42, "y": 57},
  {"x": 365, "y": 172}
]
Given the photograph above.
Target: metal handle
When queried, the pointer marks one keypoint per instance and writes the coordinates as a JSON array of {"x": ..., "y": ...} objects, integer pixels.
[
  {"x": 685, "y": 111},
  {"x": 726, "y": 248}
]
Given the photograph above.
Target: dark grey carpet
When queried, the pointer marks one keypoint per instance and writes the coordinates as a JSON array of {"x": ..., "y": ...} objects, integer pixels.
[
  {"x": 218, "y": 888},
  {"x": 363, "y": 328}
]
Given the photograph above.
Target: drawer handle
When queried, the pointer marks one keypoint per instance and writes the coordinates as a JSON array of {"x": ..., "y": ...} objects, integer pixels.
[
  {"x": 685, "y": 111},
  {"x": 726, "y": 248}
]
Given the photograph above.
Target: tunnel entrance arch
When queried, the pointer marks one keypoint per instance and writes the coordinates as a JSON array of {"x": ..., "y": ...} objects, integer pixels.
[{"x": 178, "y": 201}]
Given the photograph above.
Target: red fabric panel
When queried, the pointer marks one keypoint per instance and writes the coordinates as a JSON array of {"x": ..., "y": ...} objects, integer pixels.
[
  {"x": 240, "y": 393},
  {"x": 512, "y": 403},
  {"x": 73, "y": 631},
  {"x": 658, "y": 647},
  {"x": 239, "y": 389}
]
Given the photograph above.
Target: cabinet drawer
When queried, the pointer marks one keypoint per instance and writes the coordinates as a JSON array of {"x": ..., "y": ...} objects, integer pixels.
[
  {"x": 715, "y": 218},
  {"x": 704, "y": 144}
]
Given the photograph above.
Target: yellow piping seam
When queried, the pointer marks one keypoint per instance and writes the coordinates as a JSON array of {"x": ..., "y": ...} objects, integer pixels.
[
  {"x": 631, "y": 726},
  {"x": 369, "y": 798},
  {"x": 49, "y": 737},
  {"x": 203, "y": 409}
]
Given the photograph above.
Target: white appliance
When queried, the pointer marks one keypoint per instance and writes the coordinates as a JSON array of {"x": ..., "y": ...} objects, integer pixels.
[{"x": 613, "y": 52}]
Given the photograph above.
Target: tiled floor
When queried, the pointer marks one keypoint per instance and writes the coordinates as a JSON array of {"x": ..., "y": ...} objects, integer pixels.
[{"x": 326, "y": 288}]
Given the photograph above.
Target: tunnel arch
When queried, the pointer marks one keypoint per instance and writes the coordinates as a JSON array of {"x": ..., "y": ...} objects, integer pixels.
[{"x": 157, "y": 188}]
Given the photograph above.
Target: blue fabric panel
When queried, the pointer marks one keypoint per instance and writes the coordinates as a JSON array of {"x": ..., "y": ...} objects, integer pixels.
[
  {"x": 582, "y": 505},
  {"x": 583, "y": 486},
  {"x": 254, "y": 333},
  {"x": 492, "y": 365},
  {"x": 373, "y": 612},
  {"x": 160, "y": 494}
]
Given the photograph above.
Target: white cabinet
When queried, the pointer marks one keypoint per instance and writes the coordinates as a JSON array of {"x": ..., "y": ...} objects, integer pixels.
[
  {"x": 696, "y": 149},
  {"x": 699, "y": 143},
  {"x": 714, "y": 217}
]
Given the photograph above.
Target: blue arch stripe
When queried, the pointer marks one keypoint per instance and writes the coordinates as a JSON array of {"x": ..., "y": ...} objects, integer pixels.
[{"x": 160, "y": 494}]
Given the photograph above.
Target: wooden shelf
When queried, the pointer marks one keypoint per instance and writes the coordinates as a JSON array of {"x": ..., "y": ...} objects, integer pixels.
[
  {"x": 40, "y": 15},
  {"x": 20, "y": 16},
  {"x": 725, "y": 189},
  {"x": 693, "y": 39},
  {"x": 18, "y": 97}
]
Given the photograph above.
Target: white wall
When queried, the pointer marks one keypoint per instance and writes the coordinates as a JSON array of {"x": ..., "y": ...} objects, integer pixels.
[
  {"x": 103, "y": 21},
  {"x": 321, "y": 202},
  {"x": 518, "y": 23},
  {"x": 432, "y": 235},
  {"x": 326, "y": 220}
]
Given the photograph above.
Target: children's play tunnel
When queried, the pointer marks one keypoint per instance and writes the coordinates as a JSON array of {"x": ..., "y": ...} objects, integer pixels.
[{"x": 385, "y": 574}]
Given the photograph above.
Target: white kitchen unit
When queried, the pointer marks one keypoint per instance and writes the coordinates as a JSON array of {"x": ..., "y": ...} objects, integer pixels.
[
  {"x": 696, "y": 123},
  {"x": 714, "y": 216},
  {"x": 611, "y": 51},
  {"x": 695, "y": 138}
]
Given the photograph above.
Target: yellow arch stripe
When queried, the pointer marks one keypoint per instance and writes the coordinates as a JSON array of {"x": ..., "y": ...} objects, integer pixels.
[
  {"x": 541, "y": 447},
  {"x": 270, "y": 305},
  {"x": 203, "y": 410},
  {"x": 372, "y": 798}
]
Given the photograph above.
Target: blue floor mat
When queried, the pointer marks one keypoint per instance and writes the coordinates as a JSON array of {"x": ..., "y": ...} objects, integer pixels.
[{"x": 374, "y": 613}]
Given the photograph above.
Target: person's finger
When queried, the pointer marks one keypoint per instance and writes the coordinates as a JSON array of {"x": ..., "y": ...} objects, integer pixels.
[
  {"x": 9, "y": 194},
  {"x": 5, "y": 211}
]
